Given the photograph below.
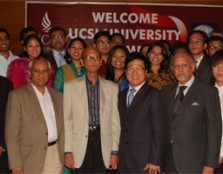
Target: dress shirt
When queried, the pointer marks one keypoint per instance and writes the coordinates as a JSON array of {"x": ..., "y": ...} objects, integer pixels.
[
  {"x": 188, "y": 85},
  {"x": 93, "y": 102},
  {"x": 5, "y": 62},
  {"x": 220, "y": 92},
  {"x": 46, "y": 105},
  {"x": 137, "y": 88},
  {"x": 198, "y": 61},
  {"x": 57, "y": 57}
]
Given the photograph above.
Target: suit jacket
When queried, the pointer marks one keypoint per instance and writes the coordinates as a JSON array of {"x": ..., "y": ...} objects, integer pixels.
[
  {"x": 26, "y": 131},
  {"x": 195, "y": 130},
  {"x": 203, "y": 72},
  {"x": 76, "y": 118},
  {"x": 49, "y": 56},
  {"x": 142, "y": 129},
  {"x": 5, "y": 88}
]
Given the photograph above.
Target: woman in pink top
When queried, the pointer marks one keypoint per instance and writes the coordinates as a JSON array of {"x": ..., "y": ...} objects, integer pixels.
[{"x": 17, "y": 69}]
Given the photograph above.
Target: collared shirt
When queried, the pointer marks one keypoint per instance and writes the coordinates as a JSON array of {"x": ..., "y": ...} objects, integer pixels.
[
  {"x": 93, "y": 93},
  {"x": 137, "y": 88},
  {"x": 220, "y": 92},
  {"x": 198, "y": 61},
  {"x": 5, "y": 62},
  {"x": 46, "y": 105},
  {"x": 56, "y": 55},
  {"x": 188, "y": 85}
]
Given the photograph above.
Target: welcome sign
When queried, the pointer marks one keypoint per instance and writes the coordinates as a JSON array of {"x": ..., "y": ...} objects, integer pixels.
[{"x": 139, "y": 23}]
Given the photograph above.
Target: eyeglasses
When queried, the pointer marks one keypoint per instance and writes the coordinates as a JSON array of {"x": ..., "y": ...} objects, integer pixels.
[
  {"x": 57, "y": 36},
  {"x": 101, "y": 42},
  {"x": 138, "y": 69},
  {"x": 90, "y": 58}
]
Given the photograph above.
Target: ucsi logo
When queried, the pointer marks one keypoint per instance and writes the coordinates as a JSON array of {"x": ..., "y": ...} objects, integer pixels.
[{"x": 46, "y": 24}]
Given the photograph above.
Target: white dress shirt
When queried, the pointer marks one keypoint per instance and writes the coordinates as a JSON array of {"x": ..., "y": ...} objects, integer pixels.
[
  {"x": 198, "y": 61},
  {"x": 137, "y": 88},
  {"x": 5, "y": 62},
  {"x": 188, "y": 85},
  {"x": 48, "y": 112},
  {"x": 220, "y": 92}
]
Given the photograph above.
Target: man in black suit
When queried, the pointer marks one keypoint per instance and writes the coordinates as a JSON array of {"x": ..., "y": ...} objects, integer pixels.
[
  {"x": 5, "y": 88},
  {"x": 143, "y": 121},
  {"x": 197, "y": 44},
  {"x": 194, "y": 133},
  {"x": 58, "y": 40}
]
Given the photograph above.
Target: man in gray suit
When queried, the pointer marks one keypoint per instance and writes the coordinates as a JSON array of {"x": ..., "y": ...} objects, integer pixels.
[
  {"x": 34, "y": 127},
  {"x": 92, "y": 126},
  {"x": 194, "y": 120}
]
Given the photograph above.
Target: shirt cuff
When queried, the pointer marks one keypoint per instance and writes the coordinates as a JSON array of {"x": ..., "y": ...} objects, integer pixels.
[{"x": 114, "y": 153}]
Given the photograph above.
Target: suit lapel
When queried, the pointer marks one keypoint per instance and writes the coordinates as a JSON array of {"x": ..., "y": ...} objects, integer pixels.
[
  {"x": 204, "y": 63},
  {"x": 139, "y": 96},
  {"x": 172, "y": 97}
]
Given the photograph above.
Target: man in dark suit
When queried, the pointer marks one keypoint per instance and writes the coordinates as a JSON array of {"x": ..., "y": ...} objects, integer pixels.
[
  {"x": 58, "y": 40},
  {"x": 5, "y": 88},
  {"x": 34, "y": 126},
  {"x": 194, "y": 133},
  {"x": 197, "y": 44},
  {"x": 143, "y": 121}
]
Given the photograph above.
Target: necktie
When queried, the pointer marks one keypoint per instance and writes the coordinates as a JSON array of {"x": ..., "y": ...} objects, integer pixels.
[
  {"x": 179, "y": 98},
  {"x": 61, "y": 61},
  {"x": 131, "y": 96}
]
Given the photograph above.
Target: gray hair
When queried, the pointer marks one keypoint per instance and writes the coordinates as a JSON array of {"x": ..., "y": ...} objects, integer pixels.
[{"x": 34, "y": 60}]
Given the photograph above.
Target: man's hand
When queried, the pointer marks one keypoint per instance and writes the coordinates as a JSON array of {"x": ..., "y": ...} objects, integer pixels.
[
  {"x": 17, "y": 170},
  {"x": 113, "y": 162},
  {"x": 207, "y": 170},
  {"x": 69, "y": 161},
  {"x": 152, "y": 169},
  {"x": 220, "y": 160}
]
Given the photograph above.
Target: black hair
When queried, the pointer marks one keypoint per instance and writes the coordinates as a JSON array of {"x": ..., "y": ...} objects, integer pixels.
[
  {"x": 101, "y": 33},
  {"x": 26, "y": 30},
  {"x": 30, "y": 37},
  {"x": 110, "y": 70},
  {"x": 5, "y": 31},
  {"x": 137, "y": 56},
  {"x": 57, "y": 28},
  {"x": 165, "y": 63}
]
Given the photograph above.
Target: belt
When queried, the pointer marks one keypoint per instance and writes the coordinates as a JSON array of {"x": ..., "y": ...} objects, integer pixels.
[
  {"x": 93, "y": 128},
  {"x": 52, "y": 143}
]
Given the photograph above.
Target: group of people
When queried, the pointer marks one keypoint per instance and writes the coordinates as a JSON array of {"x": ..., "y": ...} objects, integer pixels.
[{"x": 102, "y": 109}]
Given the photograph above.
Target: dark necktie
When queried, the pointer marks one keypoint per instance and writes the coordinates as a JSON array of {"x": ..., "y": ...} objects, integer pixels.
[
  {"x": 179, "y": 98},
  {"x": 131, "y": 96}
]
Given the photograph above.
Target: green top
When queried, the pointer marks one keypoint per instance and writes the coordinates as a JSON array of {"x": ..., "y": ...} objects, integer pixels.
[{"x": 58, "y": 82}]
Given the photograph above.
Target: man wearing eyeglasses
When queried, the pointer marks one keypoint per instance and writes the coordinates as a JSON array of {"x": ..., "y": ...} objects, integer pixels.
[
  {"x": 92, "y": 126},
  {"x": 58, "y": 40},
  {"x": 194, "y": 133},
  {"x": 143, "y": 121},
  {"x": 215, "y": 43}
]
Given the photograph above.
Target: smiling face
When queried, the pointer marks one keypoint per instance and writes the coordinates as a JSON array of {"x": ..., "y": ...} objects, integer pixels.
[
  {"x": 4, "y": 42},
  {"x": 58, "y": 40},
  {"x": 33, "y": 48},
  {"x": 103, "y": 44},
  {"x": 155, "y": 56},
  {"x": 76, "y": 49},
  {"x": 118, "y": 59},
  {"x": 136, "y": 73}
]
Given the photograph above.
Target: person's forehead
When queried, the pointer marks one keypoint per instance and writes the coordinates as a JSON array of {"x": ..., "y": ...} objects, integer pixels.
[{"x": 103, "y": 37}]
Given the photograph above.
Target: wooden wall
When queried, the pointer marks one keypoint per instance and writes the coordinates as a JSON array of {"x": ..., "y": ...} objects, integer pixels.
[{"x": 12, "y": 14}]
